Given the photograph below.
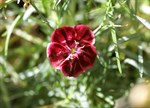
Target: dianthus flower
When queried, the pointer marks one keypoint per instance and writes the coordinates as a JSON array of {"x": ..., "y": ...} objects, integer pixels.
[{"x": 71, "y": 49}]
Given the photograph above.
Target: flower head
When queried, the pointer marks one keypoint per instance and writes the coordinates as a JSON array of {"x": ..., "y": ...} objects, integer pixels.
[{"x": 71, "y": 49}]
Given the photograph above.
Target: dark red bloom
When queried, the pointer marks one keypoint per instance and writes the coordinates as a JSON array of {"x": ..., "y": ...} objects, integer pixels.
[{"x": 71, "y": 49}]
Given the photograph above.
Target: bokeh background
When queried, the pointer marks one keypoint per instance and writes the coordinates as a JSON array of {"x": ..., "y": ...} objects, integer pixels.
[{"x": 27, "y": 80}]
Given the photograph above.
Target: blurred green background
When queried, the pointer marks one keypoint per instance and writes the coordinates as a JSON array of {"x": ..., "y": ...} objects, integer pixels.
[{"x": 27, "y": 80}]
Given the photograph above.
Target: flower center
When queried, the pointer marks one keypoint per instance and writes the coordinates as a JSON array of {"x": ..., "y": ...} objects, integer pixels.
[{"x": 73, "y": 50}]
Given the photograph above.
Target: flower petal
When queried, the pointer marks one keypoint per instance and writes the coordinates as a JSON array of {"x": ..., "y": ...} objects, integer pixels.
[
  {"x": 84, "y": 34},
  {"x": 71, "y": 68},
  {"x": 58, "y": 36},
  {"x": 64, "y": 35},
  {"x": 57, "y": 54},
  {"x": 87, "y": 57}
]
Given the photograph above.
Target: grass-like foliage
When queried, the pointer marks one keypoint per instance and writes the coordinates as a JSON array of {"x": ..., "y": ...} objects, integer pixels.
[{"x": 27, "y": 80}]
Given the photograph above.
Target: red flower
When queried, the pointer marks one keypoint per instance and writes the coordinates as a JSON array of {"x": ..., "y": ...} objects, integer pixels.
[{"x": 71, "y": 49}]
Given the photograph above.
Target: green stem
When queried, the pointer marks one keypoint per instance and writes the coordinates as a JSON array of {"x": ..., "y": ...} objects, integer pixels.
[
  {"x": 114, "y": 36},
  {"x": 42, "y": 17},
  {"x": 104, "y": 20}
]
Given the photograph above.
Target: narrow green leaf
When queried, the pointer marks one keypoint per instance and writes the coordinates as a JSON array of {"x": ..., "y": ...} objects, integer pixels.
[
  {"x": 10, "y": 30},
  {"x": 27, "y": 36},
  {"x": 18, "y": 1},
  {"x": 132, "y": 62},
  {"x": 114, "y": 38},
  {"x": 140, "y": 60},
  {"x": 121, "y": 40},
  {"x": 143, "y": 21}
]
